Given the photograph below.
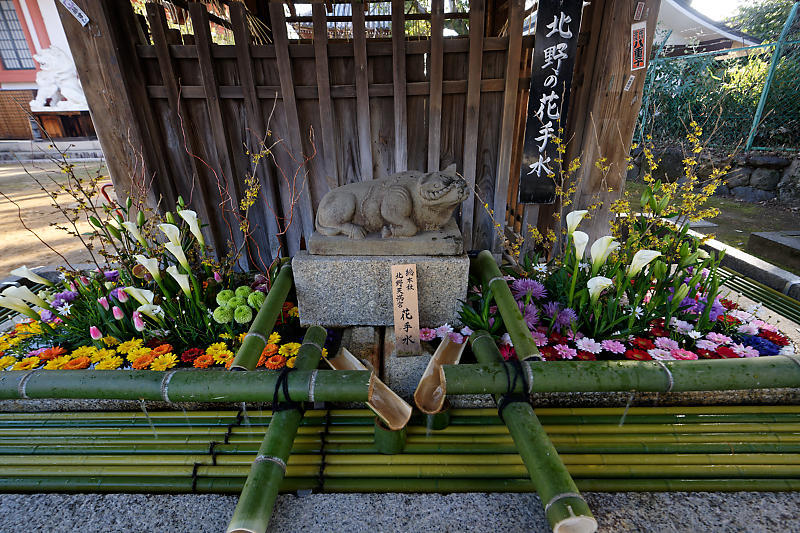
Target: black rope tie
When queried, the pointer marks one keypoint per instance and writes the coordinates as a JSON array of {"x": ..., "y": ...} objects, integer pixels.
[
  {"x": 511, "y": 383},
  {"x": 283, "y": 384}
]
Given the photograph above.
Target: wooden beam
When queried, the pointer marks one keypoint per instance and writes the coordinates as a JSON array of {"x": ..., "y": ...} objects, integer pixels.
[
  {"x": 263, "y": 171},
  {"x": 509, "y": 114},
  {"x": 293, "y": 124},
  {"x": 472, "y": 114},
  {"x": 436, "y": 75},
  {"x": 324, "y": 93},
  {"x": 362, "y": 91},
  {"x": 399, "y": 82}
]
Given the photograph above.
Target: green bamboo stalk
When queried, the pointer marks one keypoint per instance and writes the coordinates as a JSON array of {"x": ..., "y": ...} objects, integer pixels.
[
  {"x": 643, "y": 376},
  {"x": 255, "y": 341},
  {"x": 694, "y": 485},
  {"x": 564, "y": 507},
  {"x": 388, "y": 441},
  {"x": 485, "y": 267},
  {"x": 254, "y": 508}
]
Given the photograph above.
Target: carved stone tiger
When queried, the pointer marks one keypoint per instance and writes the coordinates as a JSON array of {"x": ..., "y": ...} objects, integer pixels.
[{"x": 398, "y": 206}]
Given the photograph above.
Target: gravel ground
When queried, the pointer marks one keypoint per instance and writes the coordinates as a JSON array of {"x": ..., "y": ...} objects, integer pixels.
[{"x": 370, "y": 513}]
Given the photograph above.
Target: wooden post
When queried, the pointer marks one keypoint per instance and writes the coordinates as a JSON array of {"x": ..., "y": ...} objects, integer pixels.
[
  {"x": 362, "y": 91},
  {"x": 324, "y": 88},
  {"x": 603, "y": 114},
  {"x": 399, "y": 86},
  {"x": 435, "y": 95}
]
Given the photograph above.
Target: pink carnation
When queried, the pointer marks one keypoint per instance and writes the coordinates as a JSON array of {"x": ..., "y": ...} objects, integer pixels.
[
  {"x": 427, "y": 334},
  {"x": 613, "y": 346},
  {"x": 665, "y": 343},
  {"x": 680, "y": 353},
  {"x": 660, "y": 354},
  {"x": 539, "y": 338},
  {"x": 745, "y": 351},
  {"x": 564, "y": 351},
  {"x": 704, "y": 344},
  {"x": 719, "y": 338}
]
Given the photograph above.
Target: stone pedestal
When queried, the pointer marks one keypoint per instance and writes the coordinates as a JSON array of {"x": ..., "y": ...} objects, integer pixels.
[{"x": 337, "y": 291}]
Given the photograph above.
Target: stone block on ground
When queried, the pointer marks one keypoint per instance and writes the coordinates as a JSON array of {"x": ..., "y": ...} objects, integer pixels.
[
  {"x": 338, "y": 291},
  {"x": 738, "y": 177},
  {"x": 751, "y": 194},
  {"x": 445, "y": 241},
  {"x": 364, "y": 343},
  {"x": 767, "y": 161},
  {"x": 781, "y": 247},
  {"x": 765, "y": 179}
]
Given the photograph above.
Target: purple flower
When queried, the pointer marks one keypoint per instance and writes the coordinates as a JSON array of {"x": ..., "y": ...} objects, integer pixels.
[
  {"x": 47, "y": 315},
  {"x": 67, "y": 296},
  {"x": 566, "y": 317},
  {"x": 427, "y": 334},
  {"x": 531, "y": 316},
  {"x": 466, "y": 331},
  {"x": 37, "y": 352},
  {"x": 551, "y": 308},
  {"x": 457, "y": 338},
  {"x": 539, "y": 338},
  {"x": 111, "y": 275},
  {"x": 704, "y": 344},
  {"x": 444, "y": 330},
  {"x": 522, "y": 287},
  {"x": 719, "y": 338},
  {"x": 717, "y": 309},
  {"x": 665, "y": 343}
]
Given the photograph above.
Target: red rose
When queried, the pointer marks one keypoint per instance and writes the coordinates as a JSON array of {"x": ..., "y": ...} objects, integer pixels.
[
  {"x": 727, "y": 352},
  {"x": 586, "y": 356},
  {"x": 638, "y": 355},
  {"x": 643, "y": 344},
  {"x": 191, "y": 354}
]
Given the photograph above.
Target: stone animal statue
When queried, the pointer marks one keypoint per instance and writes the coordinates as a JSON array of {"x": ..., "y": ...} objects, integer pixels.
[
  {"x": 57, "y": 79},
  {"x": 398, "y": 206}
]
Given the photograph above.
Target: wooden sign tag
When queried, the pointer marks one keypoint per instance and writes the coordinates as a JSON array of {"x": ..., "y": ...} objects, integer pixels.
[{"x": 405, "y": 302}]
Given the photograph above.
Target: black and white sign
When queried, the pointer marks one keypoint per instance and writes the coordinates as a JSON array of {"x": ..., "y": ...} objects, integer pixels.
[
  {"x": 555, "y": 43},
  {"x": 76, "y": 12}
]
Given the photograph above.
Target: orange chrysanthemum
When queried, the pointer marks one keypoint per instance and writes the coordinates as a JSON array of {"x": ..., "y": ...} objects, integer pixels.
[
  {"x": 269, "y": 351},
  {"x": 77, "y": 364},
  {"x": 204, "y": 361},
  {"x": 143, "y": 361},
  {"x": 275, "y": 362},
  {"x": 51, "y": 353},
  {"x": 162, "y": 349}
]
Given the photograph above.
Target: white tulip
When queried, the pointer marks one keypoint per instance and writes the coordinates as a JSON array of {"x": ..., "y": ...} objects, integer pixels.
[
  {"x": 172, "y": 232},
  {"x": 25, "y": 294},
  {"x": 573, "y": 219},
  {"x": 27, "y": 273},
  {"x": 580, "y": 240},
  {"x": 15, "y": 304},
  {"x": 182, "y": 279},
  {"x": 177, "y": 251},
  {"x": 596, "y": 285},
  {"x": 601, "y": 249},
  {"x": 134, "y": 232},
  {"x": 194, "y": 225},
  {"x": 150, "y": 264},
  {"x": 143, "y": 296},
  {"x": 641, "y": 259}
]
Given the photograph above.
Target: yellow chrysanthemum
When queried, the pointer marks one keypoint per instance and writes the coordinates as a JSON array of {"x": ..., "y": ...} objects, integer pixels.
[
  {"x": 26, "y": 364},
  {"x": 222, "y": 356},
  {"x": 84, "y": 351},
  {"x": 4, "y": 345},
  {"x": 127, "y": 346},
  {"x": 110, "y": 341},
  {"x": 241, "y": 337},
  {"x": 274, "y": 338},
  {"x": 57, "y": 363},
  {"x": 103, "y": 353},
  {"x": 289, "y": 349},
  {"x": 216, "y": 347},
  {"x": 290, "y": 362},
  {"x": 225, "y": 336},
  {"x": 324, "y": 352},
  {"x": 138, "y": 352},
  {"x": 110, "y": 363},
  {"x": 6, "y": 361},
  {"x": 294, "y": 312},
  {"x": 164, "y": 361}
]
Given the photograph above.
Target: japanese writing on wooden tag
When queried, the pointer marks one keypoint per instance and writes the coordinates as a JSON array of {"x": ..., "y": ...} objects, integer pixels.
[
  {"x": 638, "y": 57},
  {"x": 639, "y": 11},
  {"x": 629, "y": 83},
  {"x": 76, "y": 12},
  {"x": 406, "y": 309}
]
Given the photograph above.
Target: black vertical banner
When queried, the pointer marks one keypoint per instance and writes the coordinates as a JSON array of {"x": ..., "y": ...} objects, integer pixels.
[{"x": 555, "y": 44}]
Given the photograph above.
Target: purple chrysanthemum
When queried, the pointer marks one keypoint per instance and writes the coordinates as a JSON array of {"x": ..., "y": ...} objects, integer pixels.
[
  {"x": 524, "y": 286},
  {"x": 551, "y": 308},
  {"x": 531, "y": 316},
  {"x": 566, "y": 317}
]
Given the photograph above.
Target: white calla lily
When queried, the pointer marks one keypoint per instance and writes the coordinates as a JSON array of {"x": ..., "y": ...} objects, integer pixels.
[
  {"x": 134, "y": 232},
  {"x": 641, "y": 259},
  {"x": 172, "y": 232},
  {"x": 573, "y": 219},
  {"x": 580, "y": 240},
  {"x": 27, "y": 273},
  {"x": 190, "y": 217},
  {"x": 177, "y": 251},
  {"x": 27, "y": 295},
  {"x": 182, "y": 279},
  {"x": 143, "y": 296},
  {"x": 702, "y": 254},
  {"x": 153, "y": 311},
  {"x": 600, "y": 250},
  {"x": 15, "y": 304},
  {"x": 150, "y": 264},
  {"x": 596, "y": 285}
]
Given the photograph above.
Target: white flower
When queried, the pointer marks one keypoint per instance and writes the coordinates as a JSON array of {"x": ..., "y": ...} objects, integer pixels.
[
  {"x": 177, "y": 251},
  {"x": 596, "y": 285},
  {"x": 748, "y": 329},
  {"x": 583, "y": 265},
  {"x": 601, "y": 249},
  {"x": 172, "y": 232},
  {"x": 143, "y": 296},
  {"x": 153, "y": 311},
  {"x": 133, "y": 230},
  {"x": 182, "y": 279},
  {"x": 641, "y": 259},
  {"x": 694, "y": 334},
  {"x": 15, "y": 304},
  {"x": 64, "y": 309},
  {"x": 541, "y": 268},
  {"x": 506, "y": 339},
  {"x": 580, "y": 240},
  {"x": 25, "y": 294},
  {"x": 150, "y": 264},
  {"x": 573, "y": 219},
  {"x": 27, "y": 273},
  {"x": 194, "y": 225},
  {"x": 702, "y": 254},
  {"x": 638, "y": 312}
]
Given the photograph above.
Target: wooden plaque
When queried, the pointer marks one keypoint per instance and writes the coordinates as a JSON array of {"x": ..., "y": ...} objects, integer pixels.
[{"x": 405, "y": 302}]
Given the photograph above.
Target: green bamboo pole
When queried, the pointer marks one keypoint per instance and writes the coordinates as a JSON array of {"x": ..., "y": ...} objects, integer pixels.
[
  {"x": 388, "y": 441},
  {"x": 183, "y": 385},
  {"x": 564, "y": 507},
  {"x": 438, "y": 421},
  {"x": 254, "y": 508},
  {"x": 617, "y": 376},
  {"x": 256, "y": 339},
  {"x": 485, "y": 267}
]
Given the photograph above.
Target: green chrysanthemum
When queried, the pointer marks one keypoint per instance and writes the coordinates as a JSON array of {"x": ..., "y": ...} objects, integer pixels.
[
  {"x": 243, "y": 314},
  {"x": 224, "y": 296},
  {"x": 223, "y": 314},
  {"x": 243, "y": 291},
  {"x": 235, "y": 302},
  {"x": 256, "y": 299}
]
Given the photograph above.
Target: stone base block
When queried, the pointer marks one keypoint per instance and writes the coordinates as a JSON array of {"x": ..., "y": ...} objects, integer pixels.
[
  {"x": 337, "y": 291},
  {"x": 445, "y": 241}
]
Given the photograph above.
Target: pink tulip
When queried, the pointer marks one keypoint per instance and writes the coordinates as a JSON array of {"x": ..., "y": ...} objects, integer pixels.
[
  {"x": 138, "y": 323},
  {"x": 86, "y": 281},
  {"x": 94, "y": 331},
  {"x": 104, "y": 302},
  {"x": 122, "y": 296},
  {"x": 217, "y": 277},
  {"x": 118, "y": 314}
]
